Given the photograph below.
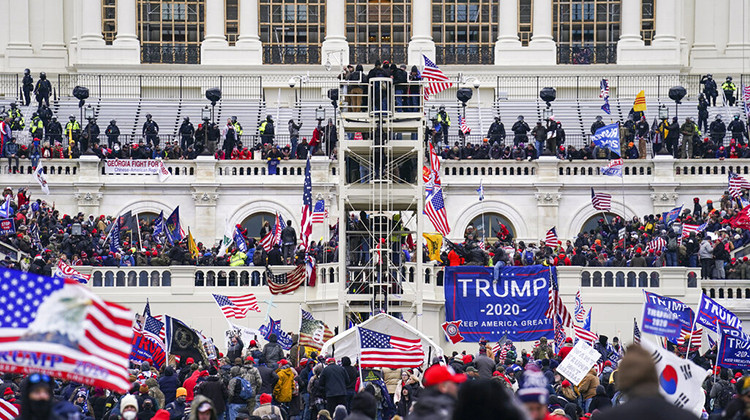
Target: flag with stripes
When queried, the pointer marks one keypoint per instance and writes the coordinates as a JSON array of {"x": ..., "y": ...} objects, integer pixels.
[
  {"x": 695, "y": 337},
  {"x": 431, "y": 175},
  {"x": 559, "y": 334},
  {"x": 312, "y": 332},
  {"x": 306, "y": 225},
  {"x": 551, "y": 238},
  {"x": 268, "y": 241},
  {"x": 585, "y": 335},
  {"x": 434, "y": 208},
  {"x": 657, "y": 244},
  {"x": 601, "y": 201},
  {"x": 64, "y": 324},
  {"x": 286, "y": 282},
  {"x": 613, "y": 168},
  {"x": 636, "y": 332},
  {"x": 380, "y": 350},
  {"x": 236, "y": 306},
  {"x": 463, "y": 126},
  {"x": 6, "y": 210},
  {"x": 604, "y": 88},
  {"x": 737, "y": 183},
  {"x": 579, "y": 311},
  {"x": 437, "y": 81},
  {"x": 480, "y": 191},
  {"x": 556, "y": 305},
  {"x": 64, "y": 271},
  {"x": 8, "y": 411},
  {"x": 147, "y": 345},
  {"x": 320, "y": 212},
  {"x": 746, "y": 97},
  {"x": 687, "y": 229}
]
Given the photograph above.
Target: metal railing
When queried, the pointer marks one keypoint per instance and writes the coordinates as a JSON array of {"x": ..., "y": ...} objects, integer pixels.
[
  {"x": 369, "y": 54},
  {"x": 586, "y": 54},
  {"x": 171, "y": 54},
  {"x": 161, "y": 86},
  {"x": 292, "y": 54},
  {"x": 465, "y": 54}
]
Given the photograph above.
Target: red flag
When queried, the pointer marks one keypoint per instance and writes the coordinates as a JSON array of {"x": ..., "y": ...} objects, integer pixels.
[
  {"x": 452, "y": 331},
  {"x": 742, "y": 219}
]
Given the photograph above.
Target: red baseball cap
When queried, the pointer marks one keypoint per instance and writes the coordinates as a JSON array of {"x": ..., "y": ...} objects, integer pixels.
[{"x": 438, "y": 374}]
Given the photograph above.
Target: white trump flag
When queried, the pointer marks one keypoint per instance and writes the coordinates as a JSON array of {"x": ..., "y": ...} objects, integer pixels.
[{"x": 680, "y": 380}]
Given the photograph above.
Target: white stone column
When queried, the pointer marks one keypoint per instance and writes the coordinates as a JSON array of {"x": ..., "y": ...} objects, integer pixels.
[
  {"x": 335, "y": 48},
  {"x": 214, "y": 25},
  {"x": 248, "y": 40},
  {"x": 739, "y": 32},
  {"x": 91, "y": 26},
  {"x": 542, "y": 25},
  {"x": 421, "y": 32},
  {"x": 704, "y": 26},
  {"x": 126, "y": 23},
  {"x": 53, "y": 36},
  {"x": 666, "y": 22},
  {"x": 19, "y": 26},
  {"x": 630, "y": 23},
  {"x": 507, "y": 30}
]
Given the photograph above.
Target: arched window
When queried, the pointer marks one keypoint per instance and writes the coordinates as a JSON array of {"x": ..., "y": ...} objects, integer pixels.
[
  {"x": 254, "y": 222},
  {"x": 593, "y": 221},
  {"x": 493, "y": 222}
]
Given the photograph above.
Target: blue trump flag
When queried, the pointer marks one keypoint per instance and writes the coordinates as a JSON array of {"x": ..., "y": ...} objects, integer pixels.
[
  {"x": 669, "y": 217},
  {"x": 710, "y": 313},
  {"x": 734, "y": 348},
  {"x": 515, "y": 305},
  {"x": 608, "y": 137},
  {"x": 239, "y": 240},
  {"x": 274, "y": 327},
  {"x": 174, "y": 231},
  {"x": 665, "y": 316}
]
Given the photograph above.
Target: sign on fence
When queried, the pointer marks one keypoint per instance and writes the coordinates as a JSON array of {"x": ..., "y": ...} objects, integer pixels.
[{"x": 136, "y": 167}]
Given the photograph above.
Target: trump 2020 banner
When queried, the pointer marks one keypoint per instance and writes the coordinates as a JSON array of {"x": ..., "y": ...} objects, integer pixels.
[
  {"x": 734, "y": 348},
  {"x": 665, "y": 316},
  {"x": 711, "y": 313},
  {"x": 515, "y": 304}
]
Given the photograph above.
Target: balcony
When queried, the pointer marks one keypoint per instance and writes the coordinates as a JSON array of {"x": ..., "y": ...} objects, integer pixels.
[{"x": 586, "y": 54}]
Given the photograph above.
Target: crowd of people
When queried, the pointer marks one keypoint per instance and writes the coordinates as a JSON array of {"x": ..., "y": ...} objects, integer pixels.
[{"x": 266, "y": 382}]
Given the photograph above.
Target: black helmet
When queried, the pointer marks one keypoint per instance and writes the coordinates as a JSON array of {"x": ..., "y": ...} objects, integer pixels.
[
  {"x": 442, "y": 107},
  {"x": 72, "y": 117},
  {"x": 13, "y": 105},
  {"x": 27, "y": 71},
  {"x": 148, "y": 116},
  {"x": 187, "y": 119},
  {"x": 268, "y": 117},
  {"x": 42, "y": 75},
  {"x": 234, "y": 118},
  {"x": 113, "y": 122},
  {"x": 729, "y": 78},
  {"x": 520, "y": 118}
]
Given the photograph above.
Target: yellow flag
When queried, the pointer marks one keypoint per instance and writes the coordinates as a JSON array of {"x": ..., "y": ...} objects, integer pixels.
[
  {"x": 434, "y": 244},
  {"x": 640, "y": 102},
  {"x": 192, "y": 247}
]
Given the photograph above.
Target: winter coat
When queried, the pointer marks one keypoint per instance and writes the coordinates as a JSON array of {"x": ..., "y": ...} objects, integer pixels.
[
  {"x": 648, "y": 408},
  {"x": 214, "y": 389},
  {"x": 432, "y": 405},
  {"x": 391, "y": 378},
  {"x": 268, "y": 380},
  {"x": 156, "y": 393},
  {"x": 587, "y": 387},
  {"x": 485, "y": 366},
  {"x": 600, "y": 401},
  {"x": 200, "y": 399},
  {"x": 272, "y": 353},
  {"x": 333, "y": 380},
  {"x": 251, "y": 374},
  {"x": 282, "y": 391}
]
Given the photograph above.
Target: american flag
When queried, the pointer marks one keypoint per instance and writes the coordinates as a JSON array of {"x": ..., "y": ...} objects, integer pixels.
[
  {"x": 5, "y": 209},
  {"x": 711, "y": 341},
  {"x": 636, "y": 332},
  {"x": 601, "y": 201},
  {"x": 286, "y": 282},
  {"x": 434, "y": 208},
  {"x": 737, "y": 184},
  {"x": 436, "y": 80},
  {"x": 64, "y": 271},
  {"x": 559, "y": 334},
  {"x": 313, "y": 333},
  {"x": 585, "y": 335},
  {"x": 604, "y": 88},
  {"x": 551, "y": 238},
  {"x": 463, "y": 126},
  {"x": 306, "y": 226},
  {"x": 153, "y": 327},
  {"x": 556, "y": 305},
  {"x": 268, "y": 241},
  {"x": 431, "y": 175},
  {"x": 695, "y": 338},
  {"x": 746, "y": 97},
  {"x": 69, "y": 324},
  {"x": 579, "y": 311},
  {"x": 687, "y": 229},
  {"x": 656, "y": 245},
  {"x": 319, "y": 212},
  {"x": 8, "y": 411},
  {"x": 383, "y": 350},
  {"x": 237, "y": 306}
]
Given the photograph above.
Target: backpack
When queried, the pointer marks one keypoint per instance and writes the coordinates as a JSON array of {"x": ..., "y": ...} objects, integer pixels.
[
  {"x": 672, "y": 244},
  {"x": 725, "y": 395},
  {"x": 246, "y": 391},
  {"x": 528, "y": 257}
]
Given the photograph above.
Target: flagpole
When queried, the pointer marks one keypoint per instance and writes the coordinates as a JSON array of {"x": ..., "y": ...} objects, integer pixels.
[
  {"x": 718, "y": 347},
  {"x": 359, "y": 364},
  {"x": 138, "y": 226}
]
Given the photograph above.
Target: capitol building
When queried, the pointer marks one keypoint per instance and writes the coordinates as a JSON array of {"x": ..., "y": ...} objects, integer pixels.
[{"x": 284, "y": 58}]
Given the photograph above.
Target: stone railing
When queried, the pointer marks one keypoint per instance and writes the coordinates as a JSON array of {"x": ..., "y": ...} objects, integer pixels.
[{"x": 737, "y": 290}]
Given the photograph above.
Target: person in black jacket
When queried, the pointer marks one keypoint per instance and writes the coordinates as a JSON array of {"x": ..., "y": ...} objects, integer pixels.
[
  {"x": 214, "y": 389},
  {"x": 235, "y": 349},
  {"x": 496, "y": 133},
  {"x": 673, "y": 137},
  {"x": 168, "y": 384},
  {"x": 400, "y": 79},
  {"x": 333, "y": 381},
  {"x": 187, "y": 131},
  {"x": 28, "y": 86},
  {"x": 151, "y": 131},
  {"x": 274, "y": 256},
  {"x": 520, "y": 130},
  {"x": 289, "y": 241},
  {"x": 42, "y": 90},
  {"x": 53, "y": 131},
  {"x": 90, "y": 135},
  {"x": 597, "y": 124},
  {"x": 272, "y": 352},
  {"x": 113, "y": 134}
]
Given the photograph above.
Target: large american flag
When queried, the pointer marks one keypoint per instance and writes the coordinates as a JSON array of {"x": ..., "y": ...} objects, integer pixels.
[
  {"x": 8, "y": 411},
  {"x": 432, "y": 174},
  {"x": 687, "y": 229},
  {"x": 579, "y": 311},
  {"x": 236, "y": 306},
  {"x": 434, "y": 208},
  {"x": 153, "y": 328},
  {"x": 306, "y": 225},
  {"x": 746, "y": 97},
  {"x": 656, "y": 245},
  {"x": 601, "y": 201},
  {"x": 319, "y": 212},
  {"x": 585, "y": 335},
  {"x": 737, "y": 184},
  {"x": 556, "y": 305},
  {"x": 383, "y": 350},
  {"x": 636, "y": 332},
  {"x": 464, "y": 127},
  {"x": 64, "y": 324},
  {"x": 64, "y": 271},
  {"x": 695, "y": 337},
  {"x": 604, "y": 88},
  {"x": 286, "y": 282},
  {"x": 268, "y": 241},
  {"x": 551, "y": 239},
  {"x": 437, "y": 81},
  {"x": 559, "y": 334}
]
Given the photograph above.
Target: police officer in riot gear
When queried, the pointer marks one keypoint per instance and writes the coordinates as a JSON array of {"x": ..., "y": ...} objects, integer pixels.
[
  {"x": 113, "y": 134},
  {"x": 151, "y": 131},
  {"x": 28, "y": 86},
  {"x": 43, "y": 89}
]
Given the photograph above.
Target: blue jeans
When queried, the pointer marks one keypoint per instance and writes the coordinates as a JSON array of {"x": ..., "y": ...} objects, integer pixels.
[
  {"x": 306, "y": 404},
  {"x": 586, "y": 404},
  {"x": 496, "y": 270},
  {"x": 693, "y": 261},
  {"x": 233, "y": 409},
  {"x": 539, "y": 148},
  {"x": 294, "y": 141},
  {"x": 400, "y": 99},
  {"x": 671, "y": 258}
]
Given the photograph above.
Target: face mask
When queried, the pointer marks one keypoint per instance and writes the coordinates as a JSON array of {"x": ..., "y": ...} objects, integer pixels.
[{"x": 129, "y": 415}]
